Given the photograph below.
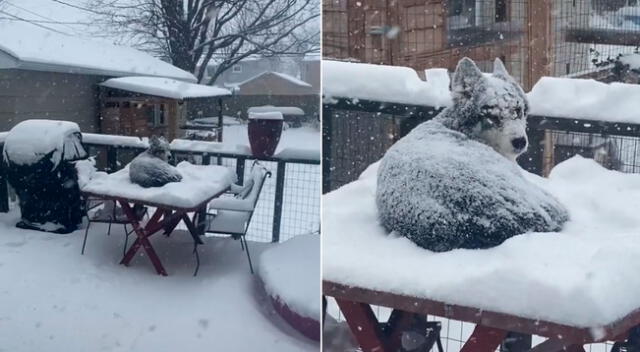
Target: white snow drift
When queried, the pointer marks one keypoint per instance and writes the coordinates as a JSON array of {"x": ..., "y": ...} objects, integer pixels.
[{"x": 585, "y": 275}]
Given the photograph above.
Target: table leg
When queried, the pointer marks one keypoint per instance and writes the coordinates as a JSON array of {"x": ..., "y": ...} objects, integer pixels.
[
  {"x": 192, "y": 229},
  {"x": 364, "y": 326},
  {"x": 142, "y": 240},
  {"x": 484, "y": 339}
]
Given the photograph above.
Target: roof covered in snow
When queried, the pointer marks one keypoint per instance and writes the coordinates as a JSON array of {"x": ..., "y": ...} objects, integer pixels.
[
  {"x": 164, "y": 87},
  {"x": 284, "y": 110},
  {"x": 25, "y": 46},
  {"x": 283, "y": 76}
]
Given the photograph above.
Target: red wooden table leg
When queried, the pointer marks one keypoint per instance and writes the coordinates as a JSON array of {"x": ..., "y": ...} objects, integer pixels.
[
  {"x": 364, "y": 326},
  {"x": 142, "y": 240},
  {"x": 484, "y": 339}
]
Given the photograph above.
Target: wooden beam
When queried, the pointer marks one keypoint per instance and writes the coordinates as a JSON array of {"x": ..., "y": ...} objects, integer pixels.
[
  {"x": 540, "y": 40},
  {"x": 602, "y": 36}
]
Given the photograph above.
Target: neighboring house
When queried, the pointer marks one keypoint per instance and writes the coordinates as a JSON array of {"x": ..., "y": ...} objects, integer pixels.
[
  {"x": 248, "y": 68},
  {"x": 53, "y": 76},
  {"x": 276, "y": 89},
  {"x": 310, "y": 71},
  {"x": 534, "y": 38}
]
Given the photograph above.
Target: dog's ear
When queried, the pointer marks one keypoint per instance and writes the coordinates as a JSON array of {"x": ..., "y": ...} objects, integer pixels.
[
  {"x": 499, "y": 70},
  {"x": 466, "y": 77}
]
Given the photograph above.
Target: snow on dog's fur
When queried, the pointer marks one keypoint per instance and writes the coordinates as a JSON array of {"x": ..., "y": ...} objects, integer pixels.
[
  {"x": 150, "y": 168},
  {"x": 453, "y": 182}
]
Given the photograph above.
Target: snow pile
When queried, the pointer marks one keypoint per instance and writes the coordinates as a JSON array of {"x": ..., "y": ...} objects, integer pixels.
[
  {"x": 585, "y": 275},
  {"x": 444, "y": 190},
  {"x": 164, "y": 87},
  {"x": 31, "y": 140},
  {"x": 40, "y": 49},
  {"x": 393, "y": 84},
  {"x": 115, "y": 140},
  {"x": 206, "y": 147},
  {"x": 199, "y": 183},
  {"x": 284, "y": 110},
  {"x": 290, "y": 273},
  {"x": 267, "y": 115},
  {"x": 586, "y": 99}
]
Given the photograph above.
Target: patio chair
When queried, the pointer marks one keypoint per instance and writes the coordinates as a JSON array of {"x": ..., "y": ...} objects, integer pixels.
[
  {"x": 110, "y": 213},
  {"x": 232, "y": 215}
]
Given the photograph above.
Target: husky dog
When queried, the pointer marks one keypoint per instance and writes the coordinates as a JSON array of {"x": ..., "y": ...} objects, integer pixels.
[
  {"x": 453, "y": 182},
  {"x": 150, "y": 169}
]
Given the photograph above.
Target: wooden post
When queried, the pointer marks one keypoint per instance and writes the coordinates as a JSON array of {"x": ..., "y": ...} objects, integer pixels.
[
  {"x": 277, "y": 203},
  {"x": 540, "y": 41}
]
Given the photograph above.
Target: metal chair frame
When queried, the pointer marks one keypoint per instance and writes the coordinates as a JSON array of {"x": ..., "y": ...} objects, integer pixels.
[{"x": 241, "y": 235}]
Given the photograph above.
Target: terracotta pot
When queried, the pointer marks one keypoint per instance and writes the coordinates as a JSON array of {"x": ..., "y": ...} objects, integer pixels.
[{"x": 264, "y": 134}]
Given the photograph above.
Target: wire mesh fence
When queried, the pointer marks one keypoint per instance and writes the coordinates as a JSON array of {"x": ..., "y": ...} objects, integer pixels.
[{"x": 453, "y": 333}]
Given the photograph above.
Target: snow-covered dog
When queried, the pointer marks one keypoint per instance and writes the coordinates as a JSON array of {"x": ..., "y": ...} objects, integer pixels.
[
  {"x": 150, "y": 168},
  {"x": 453, "y": 182}
]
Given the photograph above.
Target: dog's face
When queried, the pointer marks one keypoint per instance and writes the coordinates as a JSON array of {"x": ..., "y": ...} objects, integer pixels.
[
  {"x": 159, "y": 147},
  {"x": 491, "y": 108}
]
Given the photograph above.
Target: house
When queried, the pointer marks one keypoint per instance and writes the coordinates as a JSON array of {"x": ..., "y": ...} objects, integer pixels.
[
  {"x": 103, "y": 87},
  {"x": 250, "y": 67},
  {"x": 275, "y": 89},
  {"x": 533, "y": 38}
]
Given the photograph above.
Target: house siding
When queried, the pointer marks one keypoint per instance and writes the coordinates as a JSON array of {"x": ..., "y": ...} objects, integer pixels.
[{"x": 48, "y": 95}]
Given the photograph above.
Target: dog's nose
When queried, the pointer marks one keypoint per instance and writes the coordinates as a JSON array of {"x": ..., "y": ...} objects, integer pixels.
[{"x": 519, "y": 143}]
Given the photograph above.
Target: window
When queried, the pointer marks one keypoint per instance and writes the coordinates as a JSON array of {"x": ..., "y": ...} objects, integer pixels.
[
  {"x": 502, "y": 13},
  {"x": 462, "y": 14},
  {"x": 237, "y": 68},
  {"x": 157, "y": 115}
]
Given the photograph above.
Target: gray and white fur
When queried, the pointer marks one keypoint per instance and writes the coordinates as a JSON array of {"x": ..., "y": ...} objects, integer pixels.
[
  {"x": 151, "y": 168},
  {"x": 453, "y": 182}
]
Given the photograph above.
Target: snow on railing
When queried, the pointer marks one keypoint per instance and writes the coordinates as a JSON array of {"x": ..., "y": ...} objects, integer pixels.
[
  {"x": 573, "y": 98},
  {"x": 288, "y": 206}
]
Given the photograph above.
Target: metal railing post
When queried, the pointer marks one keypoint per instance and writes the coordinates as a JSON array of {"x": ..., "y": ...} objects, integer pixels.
[
  {"x": 4, "y": 188},
  {"x": 112, "y": 158},
  {"x": 240, "y": 161},
  {"x": 277, "y": 203}
]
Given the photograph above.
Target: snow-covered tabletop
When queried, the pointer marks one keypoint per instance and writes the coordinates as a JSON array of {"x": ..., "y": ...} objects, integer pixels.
[
  {"x": 199, "y": 184},
  {"x": 584, "y": 276}
]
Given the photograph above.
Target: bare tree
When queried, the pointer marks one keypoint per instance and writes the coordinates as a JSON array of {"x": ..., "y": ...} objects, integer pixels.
[{"x": 192, "y": 33}]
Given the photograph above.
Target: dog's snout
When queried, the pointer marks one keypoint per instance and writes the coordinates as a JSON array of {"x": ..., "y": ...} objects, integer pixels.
[{"x": 519, "y": 143}]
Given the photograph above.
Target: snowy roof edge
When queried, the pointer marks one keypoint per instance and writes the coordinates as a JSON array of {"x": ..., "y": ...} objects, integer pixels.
[{"x": 34, "y": 65}]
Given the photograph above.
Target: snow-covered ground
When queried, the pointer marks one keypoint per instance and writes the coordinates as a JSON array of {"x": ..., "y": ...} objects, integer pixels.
[{"x": 54, "y": 299}]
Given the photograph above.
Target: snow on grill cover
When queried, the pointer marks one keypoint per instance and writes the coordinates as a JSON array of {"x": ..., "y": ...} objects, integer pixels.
[
  {"x": 38, "y": 155},
  {"x": 31, "y": 140}
]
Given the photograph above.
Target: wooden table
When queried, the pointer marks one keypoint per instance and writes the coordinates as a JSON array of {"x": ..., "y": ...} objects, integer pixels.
[
  {"x": 194, "y": 192},
  {"x": 491, "y": 327}
]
